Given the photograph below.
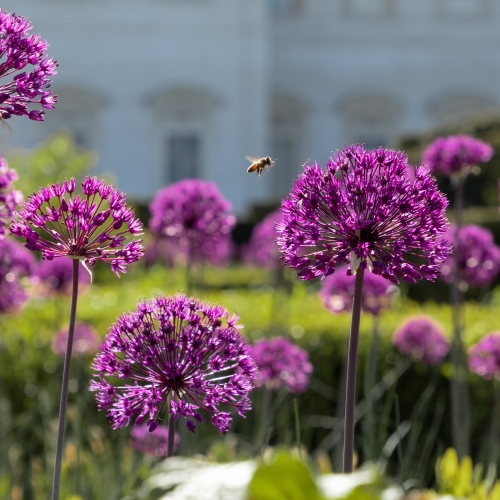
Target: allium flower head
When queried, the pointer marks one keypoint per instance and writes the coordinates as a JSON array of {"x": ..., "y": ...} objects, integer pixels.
[
  {"x": 178, "y": 352},
  {"x": 89, "y": 227},
  {"x": 57, "y": 276},
  {"x": 479, "y": 261},
  {"x": 15, "y": 262},
  {"x": 364, "y": 210},
  {"x": 484, "y": 357},
  {"x": 262, "y": 249},
  {"x": 281, "y": 364},
  {"x": 85, "y": 340},
  {"x": 9, "y": 198},
  {"x": 18, "y": 49},
  {"x": 151, "y": 443},
  {"x": 422, "y": 339},
  {"x": 194, "y": 217},
  {"x": 337, "y": 293},
  {"x": 456, "y": 154}
]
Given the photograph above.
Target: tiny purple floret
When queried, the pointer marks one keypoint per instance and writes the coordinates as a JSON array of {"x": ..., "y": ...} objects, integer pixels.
[
  {"x": 176, "y": 352},
  {"x": 281, "y": 364},
  {"x": 484, "y": 357},
  {"x": 479, "y": 261},
  {"x": 422, "y": 339},
  {"x": 337, "y": 292},
  {"x": 456, "y": 155},
  {"x": 364, "y": 210},
  {"x": 18, "y": 50},
  {"x": 89, "y": 227},
  {"x": 194, "y": 219}
]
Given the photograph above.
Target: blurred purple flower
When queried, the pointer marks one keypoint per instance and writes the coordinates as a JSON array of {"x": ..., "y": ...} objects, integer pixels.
[
  {"x": 456, "y": 154},
  {"x": 10, "y": 199},
  {"x": 484, "y": 357},
  {"x": 423, "y": 339},
  {"x": 175, "y": 351},
  {"x": 151, "y": 443},
  {"x": 85, "y": 340},
  {"x": 57, "y": 276},
  {"x": 262, "y": 250},
  {"x": 15, "y": 262},
  {"x": 281, "y": 364},
  {"x": 194, "y": 218},
  {"x": 364, "y": 210},
  {"x": 479, "y": 257},
  {"x": 337, "y": 292},
  {"x": 18, "y": 49},
  {"x": 87, "y": 227}
]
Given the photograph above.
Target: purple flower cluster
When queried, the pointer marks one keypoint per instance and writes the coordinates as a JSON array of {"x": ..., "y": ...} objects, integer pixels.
[
  {"x": 56, "y": 276},
  {"x": 9, "y": 198},
  {"x": 484, "y": 357},
  {"x": 479, "y": 257},
  {"x": 337, "y": 293},
  {"x": 456, "y": 154},
  {"x": 15, "y": 262},
  {"x": 281, "y": 364},
  {"x": 18, "y": 49},
  {"x": 364, "y": 210},
  {"x": 175, "y": 351},
  {"x": 151, "y": 443},
  {"x": 262, "y": 249},
  {"x": 422, "y": 339},
  {"x": 195, "y": 219},
  {"x": 85, "y": 340},
  {"x": 89, "y": 227}
]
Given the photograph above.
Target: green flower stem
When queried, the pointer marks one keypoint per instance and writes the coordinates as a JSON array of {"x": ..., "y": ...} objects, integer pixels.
[
  {"x": 64, "y": 390},
  {"x": 351, "y": 373}
]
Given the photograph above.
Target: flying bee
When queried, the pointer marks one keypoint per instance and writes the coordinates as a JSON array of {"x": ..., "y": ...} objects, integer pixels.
[{"x": 259, "y": 164}]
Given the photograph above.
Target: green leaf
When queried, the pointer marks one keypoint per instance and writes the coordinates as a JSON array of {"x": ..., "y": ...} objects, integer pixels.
[{"x": 285, "y": 479}]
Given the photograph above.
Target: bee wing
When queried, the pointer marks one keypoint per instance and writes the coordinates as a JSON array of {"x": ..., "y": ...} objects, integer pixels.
[
  {"x": 5, "y": 125},
  {"x": 252, "y": 158}
]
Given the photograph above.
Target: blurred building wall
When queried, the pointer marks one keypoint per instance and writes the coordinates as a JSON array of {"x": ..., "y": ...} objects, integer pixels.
[{"x": 163, "y": 89}]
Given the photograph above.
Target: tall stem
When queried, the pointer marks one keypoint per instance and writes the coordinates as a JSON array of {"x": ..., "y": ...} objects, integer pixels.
[
  {"x": 64, "y": 390},
  {"x": 171, "y": 436},
  {"x": 494, "y": 426},
  {"x": 351, "y": 373},
  {"x": 459, "y": 389}
]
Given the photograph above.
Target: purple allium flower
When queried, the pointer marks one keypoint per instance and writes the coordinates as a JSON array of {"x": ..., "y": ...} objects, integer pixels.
[
  {"x": 337, "y": 293},
  {"x": 479, "y": 257},
  {"x": 175, "y": 351},
  {"x": 18, "y": 49},
  {"x": 85, "y": 340},
  {"x": 9, "y": 198},
  {"x": 281, "y": 364},
  {"x": 423, "y": 339},
  {"x": 194, "y": 217},
  {"x": 262, "y": 249},
  {"x": 364, "y": 210},
  {"x": 89, "y": 227},
  {"x": 151, "y": 443},
  {"x": 57, "y": 276},
  {"x": 15, "y": 262},
  {"x": 456, "y": 154},
  {"x": 484, "y": 357}
]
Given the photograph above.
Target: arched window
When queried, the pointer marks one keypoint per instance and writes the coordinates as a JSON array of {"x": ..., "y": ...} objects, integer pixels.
[
  {"x": 182, "y": 119},
  {"x": 370, "y": 119},
  {"x": 287, "y": 135},
  {"x": 446, "y": 108}
]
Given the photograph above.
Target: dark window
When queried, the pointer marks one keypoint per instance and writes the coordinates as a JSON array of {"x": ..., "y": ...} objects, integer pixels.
[{"x": 183, "y": 156}]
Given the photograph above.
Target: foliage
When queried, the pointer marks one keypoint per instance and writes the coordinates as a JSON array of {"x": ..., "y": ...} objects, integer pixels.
[{"x": 56, "y": 159}]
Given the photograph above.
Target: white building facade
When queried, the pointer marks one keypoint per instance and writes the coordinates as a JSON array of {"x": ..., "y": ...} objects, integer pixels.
[{"x": 168, "y": 89}]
